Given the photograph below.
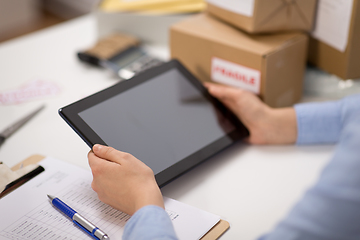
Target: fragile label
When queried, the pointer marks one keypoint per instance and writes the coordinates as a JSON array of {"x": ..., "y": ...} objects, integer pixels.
[{"x": 236, "y": 75}]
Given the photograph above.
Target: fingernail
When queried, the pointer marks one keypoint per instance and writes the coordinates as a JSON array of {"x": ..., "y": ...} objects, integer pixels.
[{"x": 97, "y": 147}]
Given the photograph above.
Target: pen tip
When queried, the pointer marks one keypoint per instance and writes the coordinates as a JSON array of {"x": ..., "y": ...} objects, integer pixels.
[{"x": 50, "y": 197}]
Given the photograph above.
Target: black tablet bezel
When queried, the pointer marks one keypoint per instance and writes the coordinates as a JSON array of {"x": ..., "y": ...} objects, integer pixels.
[{"x": 70, "y": 115}]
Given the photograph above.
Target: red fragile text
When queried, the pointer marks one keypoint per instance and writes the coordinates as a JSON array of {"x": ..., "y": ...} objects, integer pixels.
[{"x": 234, "y": 75}]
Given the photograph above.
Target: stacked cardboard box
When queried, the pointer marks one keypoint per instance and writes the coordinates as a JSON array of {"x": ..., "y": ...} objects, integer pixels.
[
  {"x": 335, "y": 42},
  {"x": 269, "y": 65},
  {"x": 258, "y": 45},
  {"x": 259, "y": 16}
]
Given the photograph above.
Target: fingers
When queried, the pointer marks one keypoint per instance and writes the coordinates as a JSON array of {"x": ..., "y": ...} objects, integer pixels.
[
  {"x": 98, "y": 164},
  {"x": 227, "y": 95},
  {"x": 100, "y": 168},
  {"x": 94, "y": 160},
  {"x": 223, "y": 92}
]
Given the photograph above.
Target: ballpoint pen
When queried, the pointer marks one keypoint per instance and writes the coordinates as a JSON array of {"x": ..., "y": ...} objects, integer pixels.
[
  {"x": 79, "y": 220},
  {"x": 15, "y": 126}
]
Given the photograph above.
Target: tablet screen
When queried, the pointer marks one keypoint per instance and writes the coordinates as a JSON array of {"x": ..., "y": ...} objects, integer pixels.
[{"x": 161, "y": 121}]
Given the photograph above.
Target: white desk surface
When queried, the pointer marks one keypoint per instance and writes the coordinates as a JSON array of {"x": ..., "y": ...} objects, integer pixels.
[{"x": 252, "y": 187}]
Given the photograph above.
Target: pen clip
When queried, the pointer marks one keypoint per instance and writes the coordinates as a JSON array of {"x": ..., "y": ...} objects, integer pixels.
[{"x": 90, "y": 233}]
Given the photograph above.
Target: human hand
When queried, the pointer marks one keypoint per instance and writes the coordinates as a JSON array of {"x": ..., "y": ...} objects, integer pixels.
[
  {"x": 122, "y": 181},
  {"x": 266, "y": 125}
]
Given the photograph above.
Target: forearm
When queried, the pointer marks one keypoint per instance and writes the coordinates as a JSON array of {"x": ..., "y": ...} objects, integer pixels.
[
  {"x": 323, "y": 122},
  {"x": 318, "y": 122},
  {"x": 330, "y": 209},
  {"x": 309, "y": 123}
]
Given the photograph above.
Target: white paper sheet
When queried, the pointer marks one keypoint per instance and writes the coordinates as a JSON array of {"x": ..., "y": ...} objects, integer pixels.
[
  {"x": 243, "y": 7},
  {"x": 332, "y": 22},
  {"x": 29, "y": 214}
]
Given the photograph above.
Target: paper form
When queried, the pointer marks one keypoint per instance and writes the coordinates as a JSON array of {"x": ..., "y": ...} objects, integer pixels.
[
  {"x": 332, "y": 22},
  {"x": 30, "y": 215},
  {"x": 243, "y": 7}
]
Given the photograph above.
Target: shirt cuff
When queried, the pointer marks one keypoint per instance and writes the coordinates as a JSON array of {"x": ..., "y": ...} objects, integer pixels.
[{"x": 149, "y": 222}]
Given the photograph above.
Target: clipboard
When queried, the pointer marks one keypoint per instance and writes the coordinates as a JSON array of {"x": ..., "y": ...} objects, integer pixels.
[
  {"x": 214, "y": 233},
  {"x": 217, "y": 231},
  {"x": 25, "y": 176}
]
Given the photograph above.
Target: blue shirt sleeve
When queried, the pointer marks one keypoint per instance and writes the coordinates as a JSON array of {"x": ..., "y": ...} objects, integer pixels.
[
  {"x": 149, "y": 222},
  {"x": 323, "y": 122},
  {"x": 330, "y": 209}
]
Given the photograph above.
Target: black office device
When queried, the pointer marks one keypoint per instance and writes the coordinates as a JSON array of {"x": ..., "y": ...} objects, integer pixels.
[
  {"x": 124, "y": 64},
  {"x": 163, "y": 116}
]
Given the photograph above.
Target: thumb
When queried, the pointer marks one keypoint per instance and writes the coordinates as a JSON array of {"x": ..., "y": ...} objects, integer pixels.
[{"x": 105, "y": 152}]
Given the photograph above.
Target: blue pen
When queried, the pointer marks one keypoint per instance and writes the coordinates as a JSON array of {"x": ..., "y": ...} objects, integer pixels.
[{"x": 79, "y": 220}]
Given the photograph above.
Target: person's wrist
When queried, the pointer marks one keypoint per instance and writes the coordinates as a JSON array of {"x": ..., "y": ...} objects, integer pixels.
[
  {"x": 147, "y": 203},
  {"x": 152, "y": 197},
  {"x": 284, "y": 126}
]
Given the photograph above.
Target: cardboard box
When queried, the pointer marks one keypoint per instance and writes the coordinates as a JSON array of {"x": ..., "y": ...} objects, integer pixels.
[
  {"x": 343, "y": 63},
  {"x": 258, "y": 16},
  {"x": 269, "y": 65},
  {"x": 18, "y": 16}
]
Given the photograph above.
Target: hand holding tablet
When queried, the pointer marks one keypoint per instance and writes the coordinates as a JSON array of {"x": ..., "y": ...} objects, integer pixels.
[
  {"x": 164, "y": 116},
  {"x": 138, "y": 187}
]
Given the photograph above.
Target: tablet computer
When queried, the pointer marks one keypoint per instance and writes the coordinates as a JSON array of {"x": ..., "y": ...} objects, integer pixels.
[{"x": 164, "y": 116}]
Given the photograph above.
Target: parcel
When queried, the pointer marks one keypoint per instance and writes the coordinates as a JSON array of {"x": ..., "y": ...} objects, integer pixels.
[
  {"x": 255, "y": 16},
  {"x": 335, "y": 42},
  {"x": 271, "y": 66}
]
